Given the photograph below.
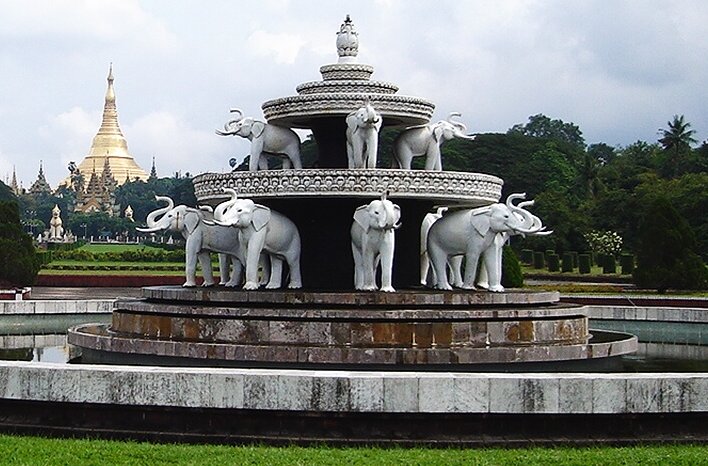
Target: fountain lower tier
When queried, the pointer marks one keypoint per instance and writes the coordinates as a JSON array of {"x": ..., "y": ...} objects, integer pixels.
[
  {"x": 409, "y": 329},
  {"x": 321, "y": 202}
]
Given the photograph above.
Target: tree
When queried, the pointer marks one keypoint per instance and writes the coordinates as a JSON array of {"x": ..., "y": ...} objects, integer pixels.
[
  {"x": 676, "y": 141},
  {"x": 6, "y": 193},
  {"x": 666, "y": 254},
  {"x": 18, "y": 261},
  {"x": 541, "y": 126}
]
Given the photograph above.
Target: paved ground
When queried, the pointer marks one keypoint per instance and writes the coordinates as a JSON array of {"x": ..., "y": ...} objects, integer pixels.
[{"x": 43, "y": 292}]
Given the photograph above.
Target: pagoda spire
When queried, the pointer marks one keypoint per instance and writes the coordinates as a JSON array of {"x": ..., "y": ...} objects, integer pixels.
[{"x": 109, "y": 144}]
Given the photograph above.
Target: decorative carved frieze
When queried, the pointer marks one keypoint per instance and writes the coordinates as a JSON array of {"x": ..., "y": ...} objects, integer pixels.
[{"x": 449, "y": 187}]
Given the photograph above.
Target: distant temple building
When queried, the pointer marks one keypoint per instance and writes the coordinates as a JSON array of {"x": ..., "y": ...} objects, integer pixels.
[
  {"x": 95, "y": 192},
  {"x": 40, "y": 185}
]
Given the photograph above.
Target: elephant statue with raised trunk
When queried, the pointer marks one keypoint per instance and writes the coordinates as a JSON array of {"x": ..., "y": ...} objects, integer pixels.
[
  {"x": 475, "y": 234},
  {"x": 426, "y": 140},
  {"x": 373, "y": 243},
  {"x": 266, "y": 139},
  {"x": 530, "y": 221},
  {"x": 262, "y": 230},
  {"x": 201, "y": 238},
  {"x": 362, "y": 132}
]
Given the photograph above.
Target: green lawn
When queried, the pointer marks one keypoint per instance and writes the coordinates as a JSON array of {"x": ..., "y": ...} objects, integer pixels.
[{"x": 18, "y": 450}]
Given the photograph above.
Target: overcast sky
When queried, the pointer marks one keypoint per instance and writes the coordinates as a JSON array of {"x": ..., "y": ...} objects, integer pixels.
[{"x": 618, "y": 69}]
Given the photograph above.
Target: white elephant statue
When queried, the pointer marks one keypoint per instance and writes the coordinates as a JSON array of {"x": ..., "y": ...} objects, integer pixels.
[
  {"x": 260, "y": 230},
  {"x": 427, "y": 274},
  {"x": 474, "y": 234},
  {"x": 265, "y": 139},
  {"x": 426, "y": 140},
  {"x": 201, "y": 238},
  {"x": 373, "y": 243},
  {"x": 363, "y": 127},
  {"x": 529, "y": 221}
]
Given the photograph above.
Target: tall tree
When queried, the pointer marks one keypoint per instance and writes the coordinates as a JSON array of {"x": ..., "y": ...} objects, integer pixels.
[{"x": 676, "y": 141}]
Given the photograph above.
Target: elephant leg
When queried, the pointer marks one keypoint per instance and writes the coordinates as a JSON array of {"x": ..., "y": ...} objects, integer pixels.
[
  {"x": 404, "y": 157},
  {"x": 386, "y": 257},
  {"x": 371, "y": 152},
  {"x": 424, "y": 268},
  {"x": 358, "y": 268},
  {"x": 236, "y": 274},
  {"x": 253, "y": 253},
  {"x": 358, "y": 152},
  {"x": 190, "y": 264},
  {"x": 438, "y": 258},
  {"x": 369, "y": 269},
  {"x": 205, "y": 262},
  {"x": 455, "y": 264},
  {"x": 256, "y": 154},
  {"x": 276, "y": 272},
  {"x": 432, "y": 159},
  {"x": 264, "y": 268},
  {"x": 293, "y": 261},
  {"x": 294, "y": 156},
  {"x": 224, "y": 272},
  {"x": 489, "y": 261},
  {"x": 287, "y": 164},
  {"x": 471, "y": 262},
  {"x": 263, "y": 162},
  {"x": 483, "y": 276}
]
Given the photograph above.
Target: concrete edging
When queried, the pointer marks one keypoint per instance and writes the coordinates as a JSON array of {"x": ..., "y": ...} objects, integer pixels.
[{"x": 357, "y": 392}]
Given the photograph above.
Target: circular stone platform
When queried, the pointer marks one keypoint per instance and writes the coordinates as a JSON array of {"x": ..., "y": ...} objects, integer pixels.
[{"x": 411, "y": 329}]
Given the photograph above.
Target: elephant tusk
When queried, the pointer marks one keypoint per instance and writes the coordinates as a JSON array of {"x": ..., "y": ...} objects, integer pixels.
[
  {"x": 148, "y": 230},
  {"x": 397, "y": 226}
]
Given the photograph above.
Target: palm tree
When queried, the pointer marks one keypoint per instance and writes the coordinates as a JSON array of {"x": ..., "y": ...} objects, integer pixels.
[{"x": 677, "y": 139}]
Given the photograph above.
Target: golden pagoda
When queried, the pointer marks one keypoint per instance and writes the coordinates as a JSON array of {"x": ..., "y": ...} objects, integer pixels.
[{"x": 109, "y": 146}]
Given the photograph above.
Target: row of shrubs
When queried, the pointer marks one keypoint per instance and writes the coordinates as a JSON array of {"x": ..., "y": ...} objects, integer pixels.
[
  {"x": 136, "y": 255},
  {"x": 572, "y": 260},
  {"x": 112, "y": 267}
]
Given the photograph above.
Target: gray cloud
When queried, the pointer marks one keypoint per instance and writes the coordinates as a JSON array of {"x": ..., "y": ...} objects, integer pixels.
[{"x": 618, "y": 69}]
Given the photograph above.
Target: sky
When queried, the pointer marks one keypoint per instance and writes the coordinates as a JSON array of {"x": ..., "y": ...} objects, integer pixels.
[{"x": 618, "y": 69}]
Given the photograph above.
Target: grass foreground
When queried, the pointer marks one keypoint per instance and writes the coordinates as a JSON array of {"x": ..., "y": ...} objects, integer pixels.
[{"x": 22, "y": 450}]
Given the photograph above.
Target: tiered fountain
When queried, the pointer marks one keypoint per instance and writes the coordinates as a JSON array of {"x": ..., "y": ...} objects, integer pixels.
[{"x": 326, "y": 323}]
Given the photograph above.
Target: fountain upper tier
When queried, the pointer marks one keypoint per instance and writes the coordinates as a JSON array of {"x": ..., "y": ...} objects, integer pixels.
[{"x": 344, "y": 88}]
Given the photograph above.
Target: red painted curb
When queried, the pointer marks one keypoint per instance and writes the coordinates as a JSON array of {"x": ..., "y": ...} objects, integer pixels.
[{"x": 108, "y": 280}]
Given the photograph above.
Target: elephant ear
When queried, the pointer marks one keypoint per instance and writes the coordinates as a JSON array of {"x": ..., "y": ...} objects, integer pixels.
[
  {"x": 480, "y": 222},
  {"x": 361, "y": 216},
  {"x": 352, "y": 123},
  {"x": 257, "y": 128},
  {"x": 261, "y": 216},
  {"x": 191, "y": 220}
]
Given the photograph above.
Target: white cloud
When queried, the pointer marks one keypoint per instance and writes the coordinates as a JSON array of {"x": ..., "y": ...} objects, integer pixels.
[
  {"x": 283, "y": 48},
  {"x": 106, "y": 20},
  {"x": 176, "y": 145}
]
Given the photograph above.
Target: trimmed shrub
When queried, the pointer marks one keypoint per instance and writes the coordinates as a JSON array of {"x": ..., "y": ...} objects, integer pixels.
[
  {"x": 512, "y": 277},
  {"x": 527, "y": 256},
  {"x": 538, "y": 260},
  {"x": 609, "y": 265},
  {"x": 667, "y": 252},
  {"x": 627, "y": 264},
  {"x": 575, "y": 259},
  {"x": 553, "y": 262},
  {"x": 584, "y": 263},
  {"x": 567, "y": 264}
]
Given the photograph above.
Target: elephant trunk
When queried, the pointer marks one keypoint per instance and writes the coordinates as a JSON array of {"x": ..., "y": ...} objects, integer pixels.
[
  {"x": 151, "y": 223},
  {"x": 460, "y": 128},
  {"x": 224, "y": 206},
  {"x": 231, "y": 127},
  {"x": 530, "y": 224}
]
